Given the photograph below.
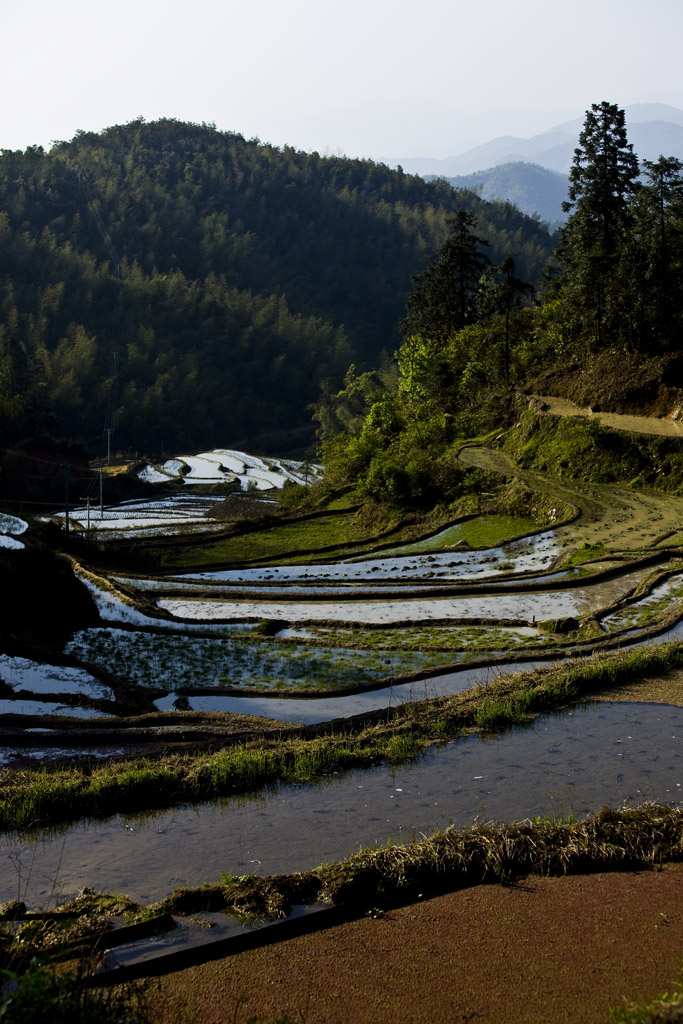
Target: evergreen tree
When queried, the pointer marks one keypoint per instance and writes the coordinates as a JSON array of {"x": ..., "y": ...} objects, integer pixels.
[
  {"x": 602, "y": 182},
  {"x": 445, "y": 295},
  {"x": 659, "y": 214},
  {"x": 500, "y": 292}
]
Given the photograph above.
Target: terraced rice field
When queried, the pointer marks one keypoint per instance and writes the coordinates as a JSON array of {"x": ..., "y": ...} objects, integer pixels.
[{"x": 321, "y": 639}]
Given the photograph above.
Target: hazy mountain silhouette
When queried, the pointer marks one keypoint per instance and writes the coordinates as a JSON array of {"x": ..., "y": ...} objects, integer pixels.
[
  {"x": 511, "y": 168},
  {"x": 532, "y": 189}
]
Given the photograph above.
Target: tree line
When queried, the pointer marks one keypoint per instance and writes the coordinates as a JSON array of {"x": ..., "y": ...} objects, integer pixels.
[{"x": 619, "y": 273}]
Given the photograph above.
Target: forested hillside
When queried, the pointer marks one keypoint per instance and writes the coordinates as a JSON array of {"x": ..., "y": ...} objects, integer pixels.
[{"x": 189, "y": 288}]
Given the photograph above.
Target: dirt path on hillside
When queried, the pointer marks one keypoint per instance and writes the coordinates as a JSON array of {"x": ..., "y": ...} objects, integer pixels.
[
  {"x": 548, "y": 951},
  {"x": 610, "y": 514},
  {"x": 663, "y": 427}
]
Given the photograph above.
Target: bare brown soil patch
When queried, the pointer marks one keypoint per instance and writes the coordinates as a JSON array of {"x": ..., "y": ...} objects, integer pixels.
[
  {"x": 549, "y": 950},
  {"x": 618, "y": 380}
]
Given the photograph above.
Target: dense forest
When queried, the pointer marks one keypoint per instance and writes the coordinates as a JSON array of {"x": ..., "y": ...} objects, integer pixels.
[
  {"x": 177, "y": 287},
  {"x": 605, "y": 329}
]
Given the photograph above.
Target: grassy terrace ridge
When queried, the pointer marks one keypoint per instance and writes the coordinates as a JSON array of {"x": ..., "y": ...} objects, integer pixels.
[
  {"x": 637, "y": 838},
  {"x": 333, "y": 536},
  {"x": 332, "y": 532},
  {"x": 45, "y": 796},
  {"x": 583, "y": 449},
  {"x": 644, "y": 836}
]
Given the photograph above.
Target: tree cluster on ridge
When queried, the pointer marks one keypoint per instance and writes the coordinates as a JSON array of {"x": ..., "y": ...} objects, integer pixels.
[{"x": 472, "y": 333}]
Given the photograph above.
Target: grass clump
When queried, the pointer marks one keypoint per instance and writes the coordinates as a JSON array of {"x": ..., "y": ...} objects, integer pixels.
[
  {"x": 636, "y": 838},
  {"x": 41, "y": 994},
  {"x": 524, "y": 701},
  {"x": 666, "y": 1009},
  {"x": 586, "y": 553}
]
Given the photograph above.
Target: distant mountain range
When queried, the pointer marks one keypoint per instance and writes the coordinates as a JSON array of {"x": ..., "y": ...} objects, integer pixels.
[
  {"x": 512, "y": 168},
  {"x": 532, "y": 189}
]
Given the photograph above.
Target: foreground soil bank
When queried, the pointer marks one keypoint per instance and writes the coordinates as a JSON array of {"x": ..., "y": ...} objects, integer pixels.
[{"x": 546, "y": 951}]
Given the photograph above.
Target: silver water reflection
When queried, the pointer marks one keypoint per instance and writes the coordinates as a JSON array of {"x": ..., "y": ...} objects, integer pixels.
[
  {"x": 324, "y": 709},
  {"x": 527, "y": 554},
  {"x": 570, "y": 763}
]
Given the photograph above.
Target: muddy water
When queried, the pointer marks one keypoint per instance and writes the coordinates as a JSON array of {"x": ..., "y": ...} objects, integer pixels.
[{"x": 569, "y": 763}]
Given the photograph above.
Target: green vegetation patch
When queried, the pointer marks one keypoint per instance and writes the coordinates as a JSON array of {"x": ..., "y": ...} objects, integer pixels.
[
  {"x": 674, "y": 541},
  {"x": 581, "y": 448},
  {"x": 45, "y": 994},
  {"x": 586, "y": 553},
  {"x": 305, "y": 539},
  {"x": 428, "y": 638},
  {"x": 665, "y": 1009},
  {"x": 185, "y": 663},
  {"x": 481, "y": 532}
]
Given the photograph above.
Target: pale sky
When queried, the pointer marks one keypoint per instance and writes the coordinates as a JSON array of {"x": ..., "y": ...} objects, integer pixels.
[{"x": 377, "y": 78}]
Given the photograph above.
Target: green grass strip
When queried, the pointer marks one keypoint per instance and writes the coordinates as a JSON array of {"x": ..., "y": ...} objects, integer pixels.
[{"x": 49, "y": 795}]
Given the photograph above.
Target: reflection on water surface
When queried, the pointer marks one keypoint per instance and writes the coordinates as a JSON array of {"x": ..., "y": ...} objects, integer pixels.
[{"x": 573, "y": 762}]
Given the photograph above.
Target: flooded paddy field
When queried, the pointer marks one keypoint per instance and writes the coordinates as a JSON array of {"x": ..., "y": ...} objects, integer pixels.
[
  {"x": 312, "y": 710},
  {"x": 305, "y": 709},
  {"x": 522, "y": 607},
  {"x": 175, "y": 662},
  {"x": 646, "y": 609},
  {"x": 24, "y": 674},
  {"x": 525, "y": 554},
  {"x": 568, "y": 763},
  {"x": 290, "y": 643},
  {"x": 340, "y": 641}
]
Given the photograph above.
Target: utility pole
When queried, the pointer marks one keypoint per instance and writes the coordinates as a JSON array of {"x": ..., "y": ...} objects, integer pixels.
[
  {"x": 108, "y": 433},
  {"x": 87, "y": 505},
  {"x": 67, "y": 470},
  {"x": 101, "y": 472}
]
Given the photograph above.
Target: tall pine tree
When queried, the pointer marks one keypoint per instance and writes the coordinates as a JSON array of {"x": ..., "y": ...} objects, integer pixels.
[
  {"x": 445, "y": 295},
  {"x": 594, "y": 246}
]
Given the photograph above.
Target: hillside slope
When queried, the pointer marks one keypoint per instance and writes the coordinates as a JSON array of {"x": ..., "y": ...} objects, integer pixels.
[
  {"x": 531, "y": 188},
  {"x": 188, "y": 287}
]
